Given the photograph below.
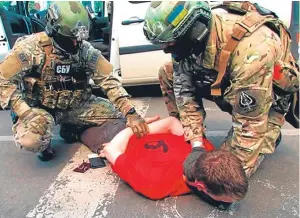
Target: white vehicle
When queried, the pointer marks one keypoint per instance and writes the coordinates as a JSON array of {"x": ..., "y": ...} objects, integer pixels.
[
  {"x": 138, "y": 59},
  {"x": 117, "y": 32}
]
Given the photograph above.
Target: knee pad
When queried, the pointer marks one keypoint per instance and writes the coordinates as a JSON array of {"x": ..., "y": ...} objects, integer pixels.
[
  {"x": 32, "y": 142},
  {"x": 28, "y": 140}
]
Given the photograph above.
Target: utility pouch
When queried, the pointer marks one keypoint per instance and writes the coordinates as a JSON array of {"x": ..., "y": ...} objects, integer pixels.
[
  {"x": 49, "y": 98},
  {"x": 31, "y": 91},
  {"x": 77, "y": 99},
  {"x": 63, "y": 99}
]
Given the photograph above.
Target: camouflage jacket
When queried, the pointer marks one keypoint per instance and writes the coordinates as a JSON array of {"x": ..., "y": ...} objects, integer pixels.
[
  {"x": 192, "y": 113},
  {"x": 34, "y": 60}
]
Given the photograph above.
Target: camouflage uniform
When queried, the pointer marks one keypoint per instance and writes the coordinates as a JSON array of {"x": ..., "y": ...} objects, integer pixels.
[
  {"x": 29, "y": 73},
  {"x": 45, "y": 81},
  {"x": 256, "y": 124}
]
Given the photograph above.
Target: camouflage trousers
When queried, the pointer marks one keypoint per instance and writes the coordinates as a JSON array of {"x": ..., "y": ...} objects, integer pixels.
[
  {"x": 93, "y": 113},
  {"x": 251, "y": 158}
]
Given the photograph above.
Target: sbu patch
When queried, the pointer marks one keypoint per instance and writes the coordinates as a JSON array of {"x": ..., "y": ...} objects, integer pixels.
[{"x": 62, "y": 69}]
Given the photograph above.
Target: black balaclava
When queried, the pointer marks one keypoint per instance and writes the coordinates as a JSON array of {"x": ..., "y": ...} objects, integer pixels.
[
  {"x": 193, "y": 42},
  {"x": 65, "y": 43}
]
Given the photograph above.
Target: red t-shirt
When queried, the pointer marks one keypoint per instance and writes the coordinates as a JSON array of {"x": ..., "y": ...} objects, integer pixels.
[{"x": 153, "y": 165}]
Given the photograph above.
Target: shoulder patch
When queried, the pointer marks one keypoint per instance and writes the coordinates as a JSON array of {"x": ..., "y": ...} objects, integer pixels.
[
  {"x": 25, "y": 63},
  {"x": 23, "y": 59},
  {"x": 251, "y": 102},
  {"x": 247, "y": 102},
  {"x": 94, "y": 58}
]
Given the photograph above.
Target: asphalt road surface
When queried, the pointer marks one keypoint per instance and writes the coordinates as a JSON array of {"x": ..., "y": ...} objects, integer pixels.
[{"x": 30, "y": 188}]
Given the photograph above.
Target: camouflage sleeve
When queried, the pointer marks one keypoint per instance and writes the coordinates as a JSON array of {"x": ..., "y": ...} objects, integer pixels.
[
  {"x": 15, "y": 65},
  {"x": 191, "y": 112},
  {"x": 286, "y": 74},
  {"x": 103, "y": 76},
  {"x": 250, "y": 93}
]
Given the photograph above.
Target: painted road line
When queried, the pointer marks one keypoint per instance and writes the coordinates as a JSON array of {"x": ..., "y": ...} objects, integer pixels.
[
  {"x": 285, "y": 132},
  {"x": 81, "y": 195},
  {"x": 78, "y": 195},
  {"x": 89, "y": 194}
]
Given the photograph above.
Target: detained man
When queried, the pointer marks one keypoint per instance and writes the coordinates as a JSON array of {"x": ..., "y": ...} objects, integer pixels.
[{"x": 153, "y": 165}]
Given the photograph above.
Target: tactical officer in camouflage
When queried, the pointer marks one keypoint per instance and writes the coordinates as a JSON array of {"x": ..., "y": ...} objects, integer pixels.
[
  {"x": 45, "y": 81},
  {"x": 240, "y": 59}
]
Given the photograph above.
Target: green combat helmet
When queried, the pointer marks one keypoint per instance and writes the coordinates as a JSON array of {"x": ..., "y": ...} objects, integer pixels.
[
  {"x": 68, "y": 24},
  {"x": 183, "y": 23}
]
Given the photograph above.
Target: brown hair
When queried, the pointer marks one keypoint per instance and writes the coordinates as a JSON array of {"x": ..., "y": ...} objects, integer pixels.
[{"x": 222, "y": 173}]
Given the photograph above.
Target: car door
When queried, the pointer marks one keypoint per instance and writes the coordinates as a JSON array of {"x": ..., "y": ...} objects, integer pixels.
[
  {"x": 294, "y": 30},
  {"x": 12, "y": 25},
  {"x": 138, "y": 59}
]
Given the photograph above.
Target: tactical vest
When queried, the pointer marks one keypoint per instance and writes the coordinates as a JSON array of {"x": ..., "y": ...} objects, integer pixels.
[
  {"x": 62, "y": 83},
  {"x": 254, "y": 17},
  {"x": 284, "y": 80}
]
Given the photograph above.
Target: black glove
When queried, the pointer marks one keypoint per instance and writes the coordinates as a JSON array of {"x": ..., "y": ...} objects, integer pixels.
[{"x": 189, "y": 161}]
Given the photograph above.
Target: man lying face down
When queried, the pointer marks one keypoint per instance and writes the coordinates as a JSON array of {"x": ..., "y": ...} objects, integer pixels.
[{"x": 153, "y": 165}]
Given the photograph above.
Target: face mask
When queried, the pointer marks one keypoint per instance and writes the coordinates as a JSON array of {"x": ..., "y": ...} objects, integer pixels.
[
  {"x": 181, "y": 49},
  {"x": 193, "y": 42},
  {"x": 219, "y": 204},
  {"x": 66, "y": 43}
]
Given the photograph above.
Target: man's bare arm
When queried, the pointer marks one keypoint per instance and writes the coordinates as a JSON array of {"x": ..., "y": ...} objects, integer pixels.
[
  {"x": 167, "y": 125},
  {"x": 119, "y": 143}
]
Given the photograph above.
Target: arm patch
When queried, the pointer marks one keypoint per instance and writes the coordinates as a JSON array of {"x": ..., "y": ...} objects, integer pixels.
[
  {"x": 97, "y": 63},
  {"x": 251, "y": 102},
  {"x": 23, "y": 59}
]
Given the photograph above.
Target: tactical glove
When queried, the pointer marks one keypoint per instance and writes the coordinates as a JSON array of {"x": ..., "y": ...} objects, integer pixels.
[{"x": 137, "y": 123}]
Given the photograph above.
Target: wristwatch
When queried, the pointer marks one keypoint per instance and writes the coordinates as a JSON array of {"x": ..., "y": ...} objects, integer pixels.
[
  {"x": 131, "y": 111},
  {"x": 197, "y": 144}
]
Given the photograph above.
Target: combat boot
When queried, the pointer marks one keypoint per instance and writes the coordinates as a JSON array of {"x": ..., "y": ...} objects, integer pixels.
[
  {"x": 278, "y": 140},
  {"x": 69, "y": 132},
  {"x": 46, "y": 155}
]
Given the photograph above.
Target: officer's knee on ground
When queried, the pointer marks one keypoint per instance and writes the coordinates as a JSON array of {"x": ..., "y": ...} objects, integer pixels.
[
  {"x": 32, "y": 142},
  {"x": 29, "y": 140}
]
